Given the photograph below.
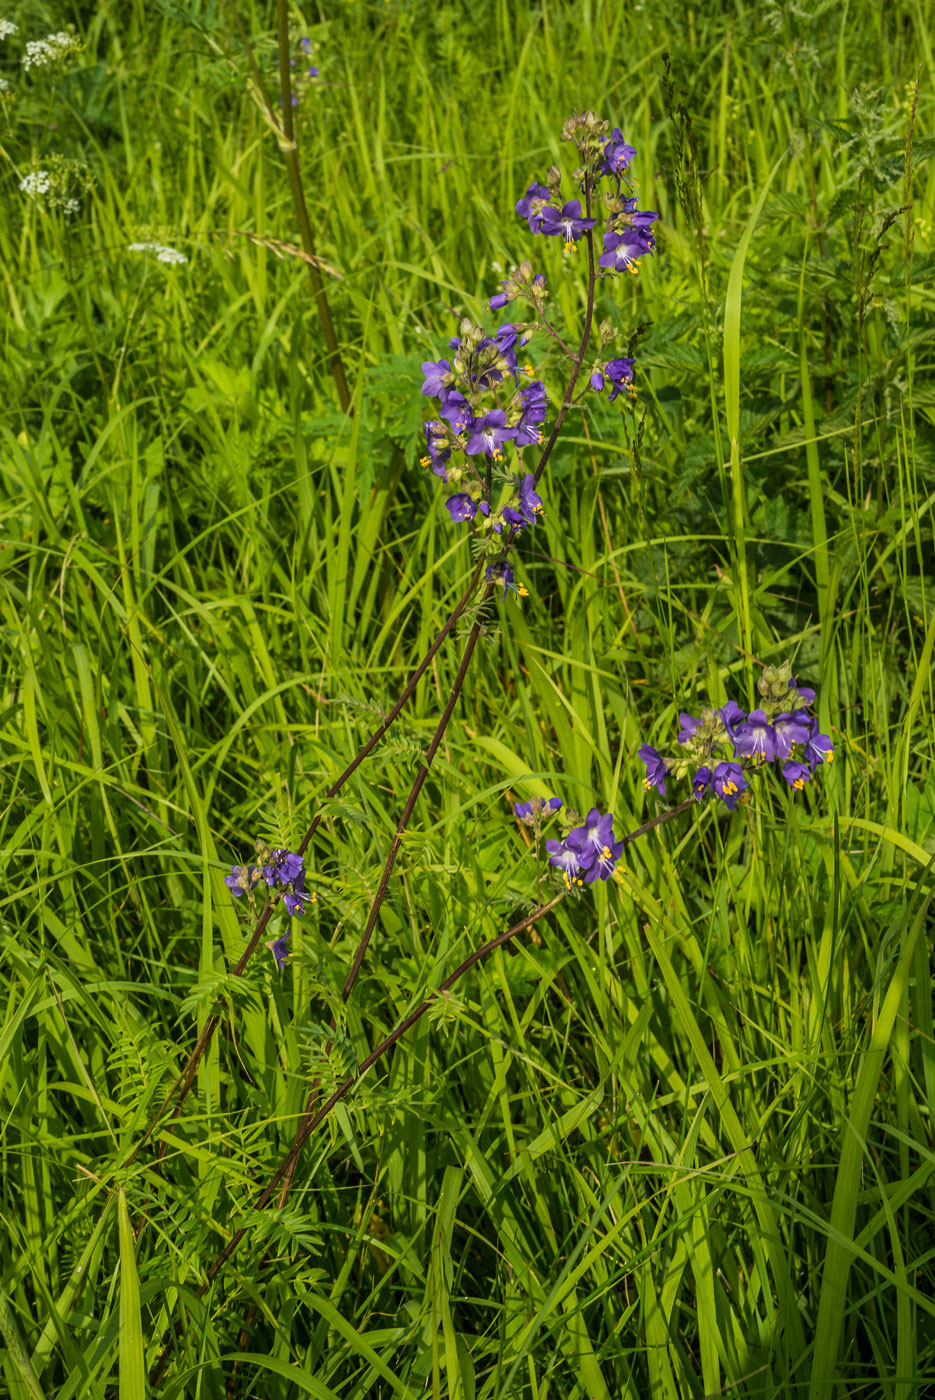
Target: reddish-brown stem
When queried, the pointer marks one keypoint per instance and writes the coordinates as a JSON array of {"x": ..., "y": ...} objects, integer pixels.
[{"x": 411, "y": 801}]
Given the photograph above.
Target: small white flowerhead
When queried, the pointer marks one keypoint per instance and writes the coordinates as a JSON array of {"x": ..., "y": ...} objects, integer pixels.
[
  {"x": 160, "y": 251},
  {"x": 53, "y": 51},
  {"x": 8, "y": 29},
  {"x": 36, "y": 183}
]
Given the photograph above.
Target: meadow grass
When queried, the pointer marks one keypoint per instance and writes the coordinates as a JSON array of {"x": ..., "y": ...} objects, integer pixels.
[{"x": 680, "y": 1141}]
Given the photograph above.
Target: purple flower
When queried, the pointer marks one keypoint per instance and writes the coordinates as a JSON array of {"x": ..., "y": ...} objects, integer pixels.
[
  {"x": 566, "y": 221},
  {"x": 689, "y": 725},
  {"x": 306, "y": 44},
  {"x": 624, "y": 249},
  {"x": 592, "y": 836},
  {"x": 530, "y": 504},
  {"x": 499, "y": 301},
  {"x": 436, "y": 372},
  {"x": 312, "y": 72},
  {"x": 507, "y": 338},
  {"x": 283, "y": 868},
  {"x": 290, "y": 866},
  {"x": 293, "y": 900},
  {"x": 461, "y": 507},
  {"x": 456, "y": 409},
  {"x": 617, "y": 154},
  {"x": 796, "y": 774},
  {"x": 488, "y": 434},
  {"x": 597, "y": 380},
  {"x": 804, "y": 695},
  {"x": 605, "y": 864},
  {"x": 619, "y": 372},
  {"x": 502, "y": 572},
  {"x": 818, "y": 748},
  {"x": 732, "y": 715},
  {"x": 513, "y": 518},
  {"x": 242, "y": 879},
  {"x": 534, "y": 411},
  {"x": 728, "y": 782},
  {"x": 755, "y": 738},
  {"x": 700, "y": 783},
  {"x": 656, "y": 769},
  {"x": 438, "y": 454},
  {"x": 640, "y": 219},
  {"x": 789, "y": 730},
  {"x": 531, "y": 205},
  {"x": 566, "y": 859},
  {"x": 280, "y": 950}
]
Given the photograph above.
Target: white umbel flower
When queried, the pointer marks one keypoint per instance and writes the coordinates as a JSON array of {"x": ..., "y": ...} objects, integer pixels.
[
  {"x": 8, "y": 29},
  {"x": 36, "y": 183},
  {"x": 160, "y": 251},
  {"x": 53, "y": 49}
]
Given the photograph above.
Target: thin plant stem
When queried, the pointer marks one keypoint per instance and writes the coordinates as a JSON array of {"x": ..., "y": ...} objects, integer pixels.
[
  {"x": 413, "y": 798},
  {"x": 290, "y": 152},
  {"x": 282, "y": 123},
  {"x": 582, "y": 349},
  {"x": 310, "y": 1122}
]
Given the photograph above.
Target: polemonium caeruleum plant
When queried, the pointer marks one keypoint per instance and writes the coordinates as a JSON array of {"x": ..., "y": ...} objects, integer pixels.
[{"x": 493, "y": 423}]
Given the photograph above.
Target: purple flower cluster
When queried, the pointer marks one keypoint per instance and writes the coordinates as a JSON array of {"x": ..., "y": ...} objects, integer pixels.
[
  {"x": 724, "y": 747},
  {"x": 589, "y": 852},
  {"x": 483, "y": 410},
  {"x": 283, "y": 872},
  {"x": 482, "y": 407},
  {"x": 627, "y": 234}
]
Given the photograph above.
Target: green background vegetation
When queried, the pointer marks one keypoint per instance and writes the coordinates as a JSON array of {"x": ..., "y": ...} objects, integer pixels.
[{"x": 681, "y": 1142}]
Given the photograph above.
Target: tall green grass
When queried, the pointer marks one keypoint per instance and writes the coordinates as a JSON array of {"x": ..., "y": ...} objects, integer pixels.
[{"x": 679, "y": 1145}]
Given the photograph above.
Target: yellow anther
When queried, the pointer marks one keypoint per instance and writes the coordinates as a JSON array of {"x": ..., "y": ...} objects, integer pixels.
[
  {"x": 566, "y": 879},
  {"x": 829, "y": 756},
  {"x": 522, "y": 590},
  {"x": 799, "y": 783}
]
